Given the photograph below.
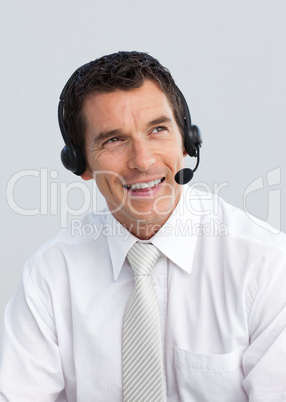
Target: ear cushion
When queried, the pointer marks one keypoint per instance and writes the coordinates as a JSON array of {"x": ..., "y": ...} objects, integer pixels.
[
  {"x": 196, "y": 135},
  {"x": 192, "y": 136},
  {"x": 192, "y": 139},
  {"x": 72, "y": 159},
  {"x": 71, "y": 156}
]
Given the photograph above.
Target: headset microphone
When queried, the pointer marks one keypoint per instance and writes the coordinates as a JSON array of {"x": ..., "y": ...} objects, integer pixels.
[{"x": 185, "y": 175}]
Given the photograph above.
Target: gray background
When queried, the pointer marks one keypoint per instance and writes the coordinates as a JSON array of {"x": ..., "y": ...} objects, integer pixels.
[{"x": 228, "y": 58}]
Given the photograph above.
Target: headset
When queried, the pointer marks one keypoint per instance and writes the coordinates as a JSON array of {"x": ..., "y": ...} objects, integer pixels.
[
  {"x": 71, "y": 156},
  {"x": 74, "y": 161}
]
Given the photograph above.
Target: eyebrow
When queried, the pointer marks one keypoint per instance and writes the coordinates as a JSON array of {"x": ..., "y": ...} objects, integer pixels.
[
  {"x": 159, "y": 120},
  {"x": 104, "y": 135}
]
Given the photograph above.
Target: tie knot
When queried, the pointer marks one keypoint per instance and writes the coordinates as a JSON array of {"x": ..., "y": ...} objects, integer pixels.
[{"x": 142, "y": 258}]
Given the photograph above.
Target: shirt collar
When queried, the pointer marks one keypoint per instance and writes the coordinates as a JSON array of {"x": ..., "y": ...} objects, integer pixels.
[
  {"x": 176, "y": 239},
  {"x": 119, "y": 243}
]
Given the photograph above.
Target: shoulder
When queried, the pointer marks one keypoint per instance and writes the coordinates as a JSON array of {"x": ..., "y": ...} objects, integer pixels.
[
  {"x": 237, "y": 243},
  {"x": 80, "y": 241},
  {"x": 234, "y": 223},
  {"x": 248, "y": 252}
]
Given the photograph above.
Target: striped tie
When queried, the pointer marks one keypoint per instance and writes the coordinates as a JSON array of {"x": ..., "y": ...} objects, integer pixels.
[{"x": 143, "y": 379}]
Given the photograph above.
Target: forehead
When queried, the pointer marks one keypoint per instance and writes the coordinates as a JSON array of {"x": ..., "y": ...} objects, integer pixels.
[{"x": 118, "y": 107}]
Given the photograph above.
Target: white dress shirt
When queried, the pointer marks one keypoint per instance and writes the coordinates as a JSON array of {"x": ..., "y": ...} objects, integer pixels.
[{"x": 221, "y": 287}]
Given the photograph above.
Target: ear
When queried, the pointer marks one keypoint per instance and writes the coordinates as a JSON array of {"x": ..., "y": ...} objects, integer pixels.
[
  {"x": 86, "y": 175},
  {"x": 185, "y": 153}
]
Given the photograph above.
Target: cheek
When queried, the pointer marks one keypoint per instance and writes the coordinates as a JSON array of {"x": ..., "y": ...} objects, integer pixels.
[
  {"x": 108, "y": 171},
  {"x": 111, "y": 161},
  {"x": 103, "y": 186},
  {"x": 108, "y": 182},
  {"x": 100, "y": 183},
  {"x": 174, "y": 155}
]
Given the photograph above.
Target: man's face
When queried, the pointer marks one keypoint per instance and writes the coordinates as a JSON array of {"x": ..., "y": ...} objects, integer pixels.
[{"x": 134, "y": 149}]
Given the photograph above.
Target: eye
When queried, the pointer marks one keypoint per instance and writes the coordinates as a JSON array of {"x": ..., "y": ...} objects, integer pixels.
[
  {"x": 111, "y": 140},
  {"x": 159, "y": 129}
]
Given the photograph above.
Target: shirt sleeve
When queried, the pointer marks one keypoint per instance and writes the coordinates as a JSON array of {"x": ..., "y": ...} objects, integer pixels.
[
  {"x": 30, "y": 364},
  {"x": 264, "y": 361}
]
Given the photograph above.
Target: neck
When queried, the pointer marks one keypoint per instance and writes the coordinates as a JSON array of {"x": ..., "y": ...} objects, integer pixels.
[{"x": 143, "y": 230}]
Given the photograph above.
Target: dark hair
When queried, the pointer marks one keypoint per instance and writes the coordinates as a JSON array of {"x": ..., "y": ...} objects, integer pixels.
[{"x": 122, "y": 70}]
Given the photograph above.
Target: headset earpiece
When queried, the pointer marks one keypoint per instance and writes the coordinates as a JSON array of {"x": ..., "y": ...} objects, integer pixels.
[
  {"x": 71, "y": 156},
  {"x": 192, "y": 139},
  {"x": 192, "y": 144},
  {"x": 72, "y": 159},
  {"x": 192, "y": 135}
]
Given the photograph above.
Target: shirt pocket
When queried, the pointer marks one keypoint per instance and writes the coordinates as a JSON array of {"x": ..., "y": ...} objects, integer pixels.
[{"x": 210, "y": 378}]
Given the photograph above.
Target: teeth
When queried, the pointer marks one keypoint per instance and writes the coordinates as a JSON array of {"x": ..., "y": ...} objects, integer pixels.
[{"x": 149, "y": 184}]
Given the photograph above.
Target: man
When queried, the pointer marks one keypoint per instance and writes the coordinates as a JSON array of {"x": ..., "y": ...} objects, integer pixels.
[{"x": 216, "y": 299}]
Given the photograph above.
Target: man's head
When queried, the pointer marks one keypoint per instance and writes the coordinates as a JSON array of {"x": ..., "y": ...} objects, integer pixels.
[
  {"x": 122, "y": 70},
  {"x": 128, "y": 119}
]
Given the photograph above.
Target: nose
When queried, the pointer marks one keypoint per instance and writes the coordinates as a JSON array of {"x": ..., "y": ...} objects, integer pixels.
[{"x": 141, "y": 156}]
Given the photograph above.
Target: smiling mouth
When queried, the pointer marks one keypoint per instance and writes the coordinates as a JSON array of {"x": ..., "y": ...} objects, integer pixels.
[{"x": 143, "y": 186}]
